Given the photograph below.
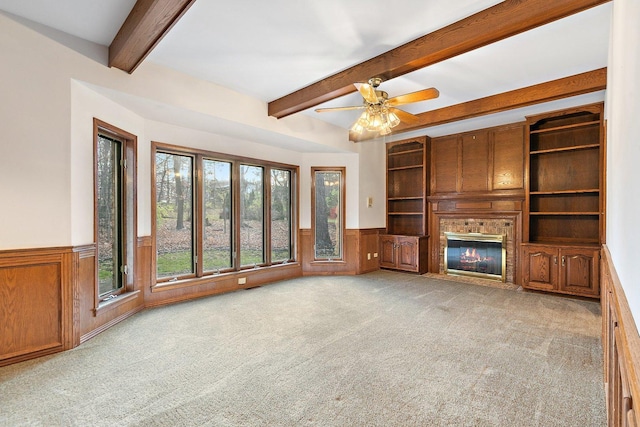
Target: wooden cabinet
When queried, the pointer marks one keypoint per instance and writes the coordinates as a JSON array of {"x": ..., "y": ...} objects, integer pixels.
[
  {"x": 407, "y": 253},
  {"x": 564, "y": 206},
  {"x": 479, "y": 162},
  {"x": 563, "y": 269},
  {"x": 402, "y": 248}
]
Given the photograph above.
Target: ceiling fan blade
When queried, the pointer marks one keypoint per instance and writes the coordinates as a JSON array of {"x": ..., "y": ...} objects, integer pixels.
[
  {"x": 404, "y": 116},
  {"x": 353, "y": 107},
  {"x": 368, "y": 92},
  {"x": 408, "y": 98}
]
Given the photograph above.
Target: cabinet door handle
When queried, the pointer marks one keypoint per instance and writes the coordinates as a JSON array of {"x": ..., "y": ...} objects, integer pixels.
[
  {"x": 563, "y": 260},
  {"x": 555, "y": 260}
]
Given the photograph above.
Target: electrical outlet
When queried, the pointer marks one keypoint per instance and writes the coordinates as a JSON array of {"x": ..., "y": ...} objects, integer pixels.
[
  {"x": 369, "y": 201},
  {"x": 375, "y": 254},
  {"x": 242, "y": 281}
]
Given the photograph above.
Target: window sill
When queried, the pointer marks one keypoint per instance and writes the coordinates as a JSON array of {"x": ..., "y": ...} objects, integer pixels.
[
  {"x": 221, "y": 277},
  {"x": 115, "y": 302}
]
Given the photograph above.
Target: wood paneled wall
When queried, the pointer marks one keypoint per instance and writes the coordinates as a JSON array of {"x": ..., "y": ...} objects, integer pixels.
[
  {"x": 621, "y": 346},
  {"x": 36, "y": 313},
  {"x": 358, "y": 244},
  {"x": 479, "y": 162}
]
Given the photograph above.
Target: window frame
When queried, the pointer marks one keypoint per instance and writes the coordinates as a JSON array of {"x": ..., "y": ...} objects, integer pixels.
[
  {"x": 195, "y": 203},
  {"x": 342, "y": 230},
  {"x": 199, "y": 156},
  {"x": 127, "y": 209}
]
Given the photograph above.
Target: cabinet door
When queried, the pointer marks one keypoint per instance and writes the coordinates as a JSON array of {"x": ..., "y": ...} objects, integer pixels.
[
  {"x": 407, "y": 253},
  {"x": 540, "y": 267},
  {"x": 580, "y": 271},
  {"x": 387, "y": 251}
]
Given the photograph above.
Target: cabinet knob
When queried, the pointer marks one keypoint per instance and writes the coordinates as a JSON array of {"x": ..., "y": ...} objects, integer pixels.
[
  {"x": 563, "y": 260},
  {"x": 555, "y": 260}
]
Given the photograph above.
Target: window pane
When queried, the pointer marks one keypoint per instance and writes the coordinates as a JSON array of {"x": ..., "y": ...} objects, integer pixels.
[
  {"x": 174, "y": 210},
  {"x": 217, "y": 216},
  {"x": 251, "y": 215},
  {"x": 108, "y": 180},
  {"x": 328, "y": 221},
  {"x": 280, "y": 215}
]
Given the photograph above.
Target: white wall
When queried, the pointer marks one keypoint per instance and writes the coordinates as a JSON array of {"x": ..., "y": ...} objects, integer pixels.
[
  {"x": 85, "y": 106},
  {"x": 34, "y": 146},
  {"x": 372, "y": 182},
  {"x": 350, "y": 161},
  {"x": 623, "y": 150},
  {"x": 50, "y": 95}
]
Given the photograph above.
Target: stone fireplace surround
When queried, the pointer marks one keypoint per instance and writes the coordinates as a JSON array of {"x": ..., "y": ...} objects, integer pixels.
[{"x": 488, "y": 214}]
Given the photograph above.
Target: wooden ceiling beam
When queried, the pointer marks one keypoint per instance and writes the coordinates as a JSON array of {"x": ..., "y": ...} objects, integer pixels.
[
  {"x": 578, "y": 84},
  {"x": 496, "y": 23},
  {"x": 148, "y": 22}
]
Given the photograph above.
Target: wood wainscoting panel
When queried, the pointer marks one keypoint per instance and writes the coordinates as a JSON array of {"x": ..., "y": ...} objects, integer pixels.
[
  {"x": 143, "y": 262},
  {"x": 95, "y": 319},
  {"x": 348, "y": 264},
  {"x": 33, "y": 303},
  {"x": 368, "y": 250},
  {"x": 621, "y": 348}
]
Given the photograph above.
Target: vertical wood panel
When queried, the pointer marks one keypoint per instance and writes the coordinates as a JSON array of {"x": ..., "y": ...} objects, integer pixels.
[
  {"x": 508, "y": 158},
  {"x": 444, "y": 164},
  {"x": 367, "y": 244},
  {"x": 31, "y": 302},
  {"x": 475, "y": 162}
]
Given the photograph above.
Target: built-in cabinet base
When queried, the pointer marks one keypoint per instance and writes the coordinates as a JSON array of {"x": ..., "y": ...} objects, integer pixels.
[
  {"x": 563, "y": 269},
  {"x": 406, "y": 253}
]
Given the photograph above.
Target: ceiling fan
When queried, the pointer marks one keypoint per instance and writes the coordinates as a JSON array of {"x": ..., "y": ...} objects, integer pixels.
[{"x": 380, "y": 112}]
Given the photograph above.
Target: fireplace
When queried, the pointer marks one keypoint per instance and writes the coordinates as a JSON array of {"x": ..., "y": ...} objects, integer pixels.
[{"x": 475, "y": 254}]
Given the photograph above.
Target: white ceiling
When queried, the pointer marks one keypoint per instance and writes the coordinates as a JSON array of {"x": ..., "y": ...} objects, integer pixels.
[{"x": 268, "y": 49}]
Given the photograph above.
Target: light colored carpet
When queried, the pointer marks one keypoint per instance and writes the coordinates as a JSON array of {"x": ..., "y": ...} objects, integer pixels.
[{"x": 381, "y": 349}]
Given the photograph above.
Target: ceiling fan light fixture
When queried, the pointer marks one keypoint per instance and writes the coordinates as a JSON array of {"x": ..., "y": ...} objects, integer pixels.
[
  {"x": 375, "y": 121},
  {"x": 380, "y": 113},
  {"x": 361, "y": 124},
  {"x": 385, "y": 129},
  {"x": 394, "y": 120}
]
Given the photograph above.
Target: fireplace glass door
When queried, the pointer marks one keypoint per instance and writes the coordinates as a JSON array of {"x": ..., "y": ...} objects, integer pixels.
[{"x": 475, "y": 254}]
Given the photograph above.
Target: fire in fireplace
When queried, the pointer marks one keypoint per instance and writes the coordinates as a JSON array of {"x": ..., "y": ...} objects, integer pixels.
[{"x": 475, "y": 254}]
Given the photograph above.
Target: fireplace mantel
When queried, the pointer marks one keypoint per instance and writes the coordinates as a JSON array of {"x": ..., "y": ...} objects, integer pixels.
[{"x": 477, "y": 214}]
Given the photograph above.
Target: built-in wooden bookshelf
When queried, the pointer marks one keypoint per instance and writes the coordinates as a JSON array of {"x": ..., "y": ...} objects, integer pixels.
[
  {"x": 564, "y": 206},
  {"x": 404, "y": 245}
]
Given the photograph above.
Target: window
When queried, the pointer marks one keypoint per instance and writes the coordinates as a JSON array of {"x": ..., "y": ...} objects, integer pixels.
[
  {"x": 174, "y": 215},
  {"x": 114, "y": 210},
  {"x": 281, "y": 221},
  {"x": 217, "y": 213},
  {"x": 251, "y": 215},
  {"x": 217, "y": 252},
  {"x": 328, "y": 213}
]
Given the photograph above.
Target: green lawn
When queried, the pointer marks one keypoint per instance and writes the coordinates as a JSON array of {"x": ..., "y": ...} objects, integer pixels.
[{"x": 174, "y": 263}]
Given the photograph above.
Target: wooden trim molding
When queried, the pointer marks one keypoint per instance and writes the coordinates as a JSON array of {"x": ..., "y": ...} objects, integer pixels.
[
  {"x": 148, "y": 22},
  {"x": 496, "y": 23},
  {"x": 621, "y": 348}
]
